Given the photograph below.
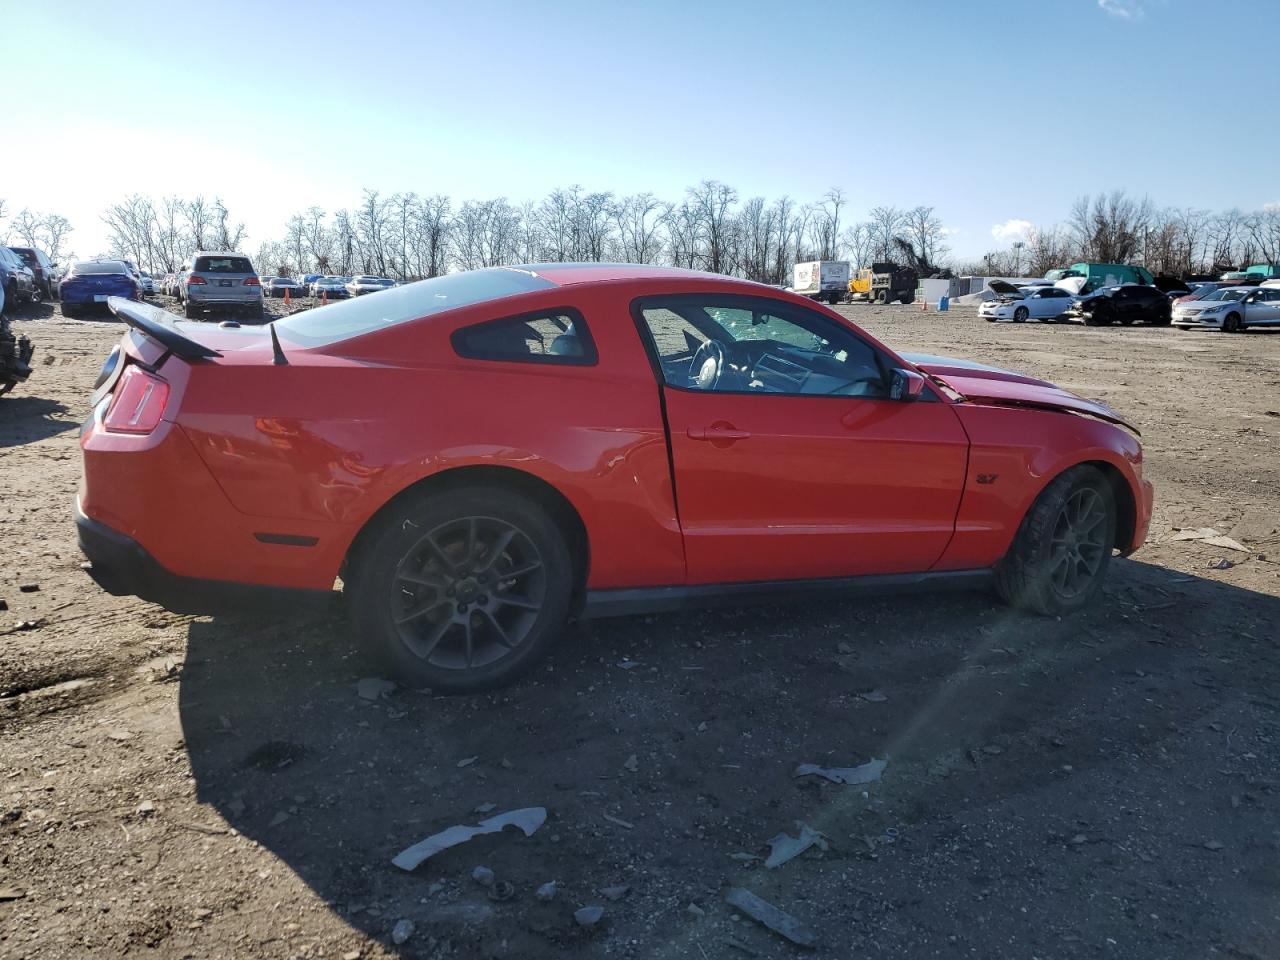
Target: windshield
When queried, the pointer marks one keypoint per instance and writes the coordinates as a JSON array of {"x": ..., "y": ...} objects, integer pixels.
[
  {"x": 351, "y": 318},
  {"x": 1228, "y": 293},
  {"x": 97, "y": 266}
]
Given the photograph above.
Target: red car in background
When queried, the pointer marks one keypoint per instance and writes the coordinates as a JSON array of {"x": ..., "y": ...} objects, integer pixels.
[{"x": 482, "y": 456}]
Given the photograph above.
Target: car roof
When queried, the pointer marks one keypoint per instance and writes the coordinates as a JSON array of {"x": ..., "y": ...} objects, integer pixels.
[{"x": 567, "y": 274}]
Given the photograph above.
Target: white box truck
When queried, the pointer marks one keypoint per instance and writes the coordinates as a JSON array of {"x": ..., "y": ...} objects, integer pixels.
[{"x": 822, "y": 280}]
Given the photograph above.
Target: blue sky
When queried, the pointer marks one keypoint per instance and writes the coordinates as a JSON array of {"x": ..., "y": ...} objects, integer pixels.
[{"x": 987, "y": 111}]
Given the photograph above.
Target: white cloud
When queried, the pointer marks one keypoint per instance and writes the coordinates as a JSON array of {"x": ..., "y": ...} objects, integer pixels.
[
  {"x": 1123, "y": 9},
  {"x": 1273, "y": 207},
  {"x": 950, "y": 231},
  {"x": 1012, "y": 230}
]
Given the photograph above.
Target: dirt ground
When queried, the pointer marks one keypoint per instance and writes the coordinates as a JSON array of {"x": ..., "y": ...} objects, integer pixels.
[{"x": 1104, "y": 786}]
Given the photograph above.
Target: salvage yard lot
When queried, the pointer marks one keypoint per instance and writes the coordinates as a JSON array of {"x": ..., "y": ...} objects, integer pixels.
[{"x": 1107, "y": 785}]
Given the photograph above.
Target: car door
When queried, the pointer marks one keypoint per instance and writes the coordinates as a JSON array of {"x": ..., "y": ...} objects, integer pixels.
[
  {"x": 1045, "y": 305},
  {"x": 1264, "y": 309},
  {"x": 792, "y": 462}
]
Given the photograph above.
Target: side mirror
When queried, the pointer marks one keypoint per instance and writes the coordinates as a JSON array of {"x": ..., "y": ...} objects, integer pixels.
[{"x": 905, "y": 385}]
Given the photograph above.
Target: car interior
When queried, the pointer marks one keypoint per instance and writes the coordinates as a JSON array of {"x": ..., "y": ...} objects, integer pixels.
[{"x": 746, "y": 349}]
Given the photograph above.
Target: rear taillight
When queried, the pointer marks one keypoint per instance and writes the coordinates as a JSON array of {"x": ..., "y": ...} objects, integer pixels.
[
  {"x": 139, "y": 401},
  {"x": 194, "y": 280},
  {"x": 252, "y": 282}
]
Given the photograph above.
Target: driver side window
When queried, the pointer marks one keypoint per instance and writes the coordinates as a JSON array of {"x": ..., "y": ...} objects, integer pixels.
[{"x": 748, "y": 345}]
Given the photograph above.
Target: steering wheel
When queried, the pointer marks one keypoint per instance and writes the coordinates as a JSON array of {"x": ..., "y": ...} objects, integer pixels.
[{"x": 707, "y": 365}]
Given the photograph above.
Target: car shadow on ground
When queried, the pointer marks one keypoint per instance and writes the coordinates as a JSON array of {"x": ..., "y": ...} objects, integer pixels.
[
  {"x": 661, "y": 746},
  {"x": 25, "y": 419},
  {"x": 30, "y": 311}
]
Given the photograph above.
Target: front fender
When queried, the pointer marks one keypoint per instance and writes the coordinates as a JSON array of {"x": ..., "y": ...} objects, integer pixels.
[{"x": 1014, "y": 454}]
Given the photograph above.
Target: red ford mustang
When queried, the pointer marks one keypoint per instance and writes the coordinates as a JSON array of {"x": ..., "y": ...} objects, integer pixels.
[{"x": 482, "y": 456}]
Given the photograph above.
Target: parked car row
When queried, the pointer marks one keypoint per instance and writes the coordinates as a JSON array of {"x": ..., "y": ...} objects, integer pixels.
[
  {"x": 326, "y": 286},
  {"x": 43, "y": 271},
  {"x": 17, "y": 279}
]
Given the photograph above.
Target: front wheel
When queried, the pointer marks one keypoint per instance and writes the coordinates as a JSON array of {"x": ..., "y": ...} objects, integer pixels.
[
  {"x": 1232, "y": 323},
  {"x": 462, "y": 590},
  {"x": 1020, "y": 315},
  {"x": 1060, "y": 554}
]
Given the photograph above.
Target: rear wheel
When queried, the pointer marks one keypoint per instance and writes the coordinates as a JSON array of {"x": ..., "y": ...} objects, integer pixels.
[
  {"x": 462, "y": 590},
  {"x": 882, "y": 297},
  {"x": 1233, "y": 323},
  {"x": 1060, "y": 554},
  {"x": 190, "y": 312},
  {"x": 908, "y": 298}
]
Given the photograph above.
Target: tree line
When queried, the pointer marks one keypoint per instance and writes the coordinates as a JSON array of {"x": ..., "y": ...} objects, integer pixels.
[
  {"x": 710, "y": 227},
  {"x": 47, "y": 231},
  {"x": 1117, "y": 228},
  {"x": 409, "y": 236}
]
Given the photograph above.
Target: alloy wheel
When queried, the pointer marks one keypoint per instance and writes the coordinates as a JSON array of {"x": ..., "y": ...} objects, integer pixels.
[
  {"x": 1079, "y": 543},
  {"x": 468, "y": 593}
]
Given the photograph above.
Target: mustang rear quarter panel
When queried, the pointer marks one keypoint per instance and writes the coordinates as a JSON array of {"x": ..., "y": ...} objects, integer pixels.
[
  {"x": 155, "y": 490},
  {"x": 1017, "y": 452},
  {"x": 334, "y": 444}
]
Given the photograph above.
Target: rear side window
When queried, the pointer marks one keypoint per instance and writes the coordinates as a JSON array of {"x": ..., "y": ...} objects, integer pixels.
[
  {"x": 548, "y": 336},
  {"x": 223, "y": 265}
]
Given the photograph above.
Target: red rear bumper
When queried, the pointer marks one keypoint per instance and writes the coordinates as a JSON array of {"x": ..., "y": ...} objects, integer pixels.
[{"x": 155, "y": 493}]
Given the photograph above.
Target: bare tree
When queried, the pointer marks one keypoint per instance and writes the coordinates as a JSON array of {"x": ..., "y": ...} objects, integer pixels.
[
  {"x": 923, "y": 230},
  {"x": 859, "y": 241},
  {"x": 825, "y": 224},
  {"x": 639, "y": 222},
  {"x": 226, "y": 237},
  {"x": 56, "y": 229},
  {"x": 885, "y": 224},
  {"x": 1110, "y": 228},
  {"x": 199, "y": 223},
  {"x": 710, "y": 206}
]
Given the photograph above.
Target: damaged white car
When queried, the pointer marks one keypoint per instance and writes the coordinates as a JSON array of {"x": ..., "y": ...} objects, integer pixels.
[{"x": 1019, "y": 304}]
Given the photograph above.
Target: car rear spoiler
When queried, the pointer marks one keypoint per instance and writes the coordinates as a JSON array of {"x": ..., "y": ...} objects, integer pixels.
[{"x": 160, "y": 326}]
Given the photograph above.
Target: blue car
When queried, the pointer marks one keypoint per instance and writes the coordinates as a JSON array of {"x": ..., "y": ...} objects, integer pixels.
[{"x": 90, "y": 282}]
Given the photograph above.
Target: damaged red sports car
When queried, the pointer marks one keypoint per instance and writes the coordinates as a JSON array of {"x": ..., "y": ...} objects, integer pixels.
[{"x": 482, "y": 456}]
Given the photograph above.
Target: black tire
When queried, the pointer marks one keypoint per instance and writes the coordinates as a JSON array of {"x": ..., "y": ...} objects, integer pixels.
[
  {"x": 1232, "y": 323},
  {"x": 1163, "y": 317},
  {"x": 1020, "y": 315},
  {"x": 1126, "y": 321},
  {"x": 882, "y": 297},
  {"x": 69, "y": 312},
  {"x": 1043, "y": 571},
  {"x": 1099, "y": 317},
  {"x": 908, "y": 298},
  {"x": 455, "y": 599},
  {"x": 190, "y": 312}
]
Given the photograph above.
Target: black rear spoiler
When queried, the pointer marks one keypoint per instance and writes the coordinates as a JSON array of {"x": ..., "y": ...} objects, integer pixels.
[{"x": 159, "y": 326}]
